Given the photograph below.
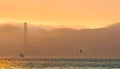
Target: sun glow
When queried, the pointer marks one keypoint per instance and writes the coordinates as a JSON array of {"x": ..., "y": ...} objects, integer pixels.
[
  {"x": 61, "y": 12},
  {"x": 6, "y": 64},
  {"x": 2, "y": 68}
]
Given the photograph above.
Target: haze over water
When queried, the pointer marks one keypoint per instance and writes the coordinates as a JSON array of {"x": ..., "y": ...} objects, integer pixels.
[
  {"x": 62, "y": 42},
  {"x": 61, "y": 34}
]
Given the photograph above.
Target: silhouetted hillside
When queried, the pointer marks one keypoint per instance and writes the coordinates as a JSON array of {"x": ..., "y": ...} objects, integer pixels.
[{"x": 102, "y": 42}]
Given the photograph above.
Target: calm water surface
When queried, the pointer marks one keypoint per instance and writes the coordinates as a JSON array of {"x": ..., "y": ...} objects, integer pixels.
[{"x": 55, "y": 63}]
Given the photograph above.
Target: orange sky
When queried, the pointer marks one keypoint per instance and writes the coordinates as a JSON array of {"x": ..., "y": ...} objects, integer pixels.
[{"x": 87, "y": 13}]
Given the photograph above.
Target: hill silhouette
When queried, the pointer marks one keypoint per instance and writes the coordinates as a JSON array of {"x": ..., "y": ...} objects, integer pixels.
[{"x": 63, "y": 42}]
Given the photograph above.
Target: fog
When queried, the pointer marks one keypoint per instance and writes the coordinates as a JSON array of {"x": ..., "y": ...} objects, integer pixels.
[{"x": 60, "y": 42}]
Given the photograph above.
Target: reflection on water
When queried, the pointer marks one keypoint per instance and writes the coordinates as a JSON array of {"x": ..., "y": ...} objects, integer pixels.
[{"x": 50, "y": 63}]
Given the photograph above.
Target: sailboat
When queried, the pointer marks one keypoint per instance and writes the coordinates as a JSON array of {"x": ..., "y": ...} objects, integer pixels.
[{"x": 22, "y": 55}]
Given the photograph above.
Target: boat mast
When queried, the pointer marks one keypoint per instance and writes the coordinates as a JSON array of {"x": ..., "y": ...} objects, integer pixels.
[
  {"x": 22, "y": 55},
  {"x": 25, "y": 35}
]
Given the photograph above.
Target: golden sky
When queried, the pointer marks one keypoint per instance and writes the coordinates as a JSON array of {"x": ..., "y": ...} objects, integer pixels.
[{"x": 86, "y": 13}]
